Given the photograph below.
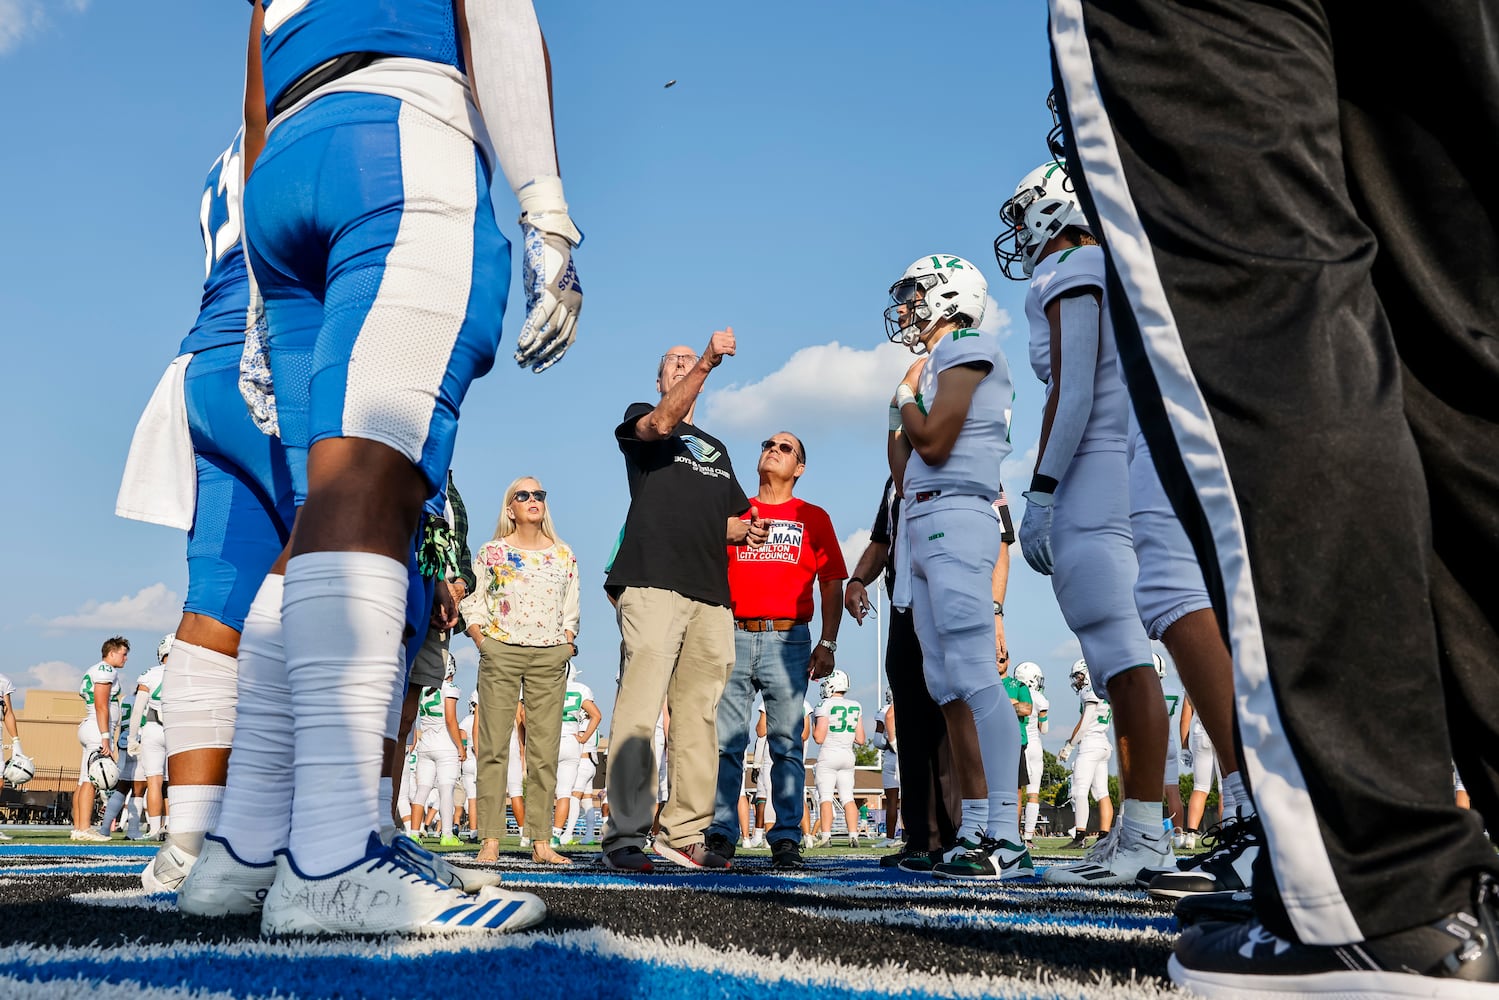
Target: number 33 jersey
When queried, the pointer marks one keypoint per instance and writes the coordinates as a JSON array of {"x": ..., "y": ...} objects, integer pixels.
[{"x": 843, "y": 722}]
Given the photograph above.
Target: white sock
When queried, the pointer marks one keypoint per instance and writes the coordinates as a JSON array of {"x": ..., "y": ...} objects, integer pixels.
[
  {"x": 195, "y": 810},
  {"x": 1231, "y": 788},
  {"x": 591, "y": 820},
  {"x": 444, "y": 810},
  {"x": 153, "y": 826},
  {"x": 573, "y": 808},
  {"x": 343, "y": 616},
  {"x": 1142, "y": 820},
  {"x": 1032, "y": 813},
  {"x": 975, "y": 820},
  {"x": 999, "y": 748},
  {"x": 112, "y": 810},
  {"x": 387, "y": 821},
  {"x": 1079, "y": 810},
  {"x": 255, "y": 813}
]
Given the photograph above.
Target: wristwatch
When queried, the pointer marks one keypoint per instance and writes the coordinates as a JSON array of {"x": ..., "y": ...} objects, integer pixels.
[
  {"x": 999, "y": 609},
  {"x": 831, "y": 645}
]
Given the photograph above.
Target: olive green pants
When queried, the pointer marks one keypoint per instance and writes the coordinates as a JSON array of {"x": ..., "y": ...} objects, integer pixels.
[{"x": 503, "y": 670}]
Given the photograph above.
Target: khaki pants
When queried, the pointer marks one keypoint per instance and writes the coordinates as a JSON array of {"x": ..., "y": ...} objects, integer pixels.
[
  {"x": 502, "y": 670},
  {"x": 679, "y": 651}
]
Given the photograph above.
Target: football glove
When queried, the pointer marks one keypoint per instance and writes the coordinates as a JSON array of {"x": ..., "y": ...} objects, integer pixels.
[
  {"x": 1184, "y": 757},
  {"x": 554, "y": 296},
  {"x": 133, "y": 748},
  {"x": 1066, "y": 751},
  {"x": 1035, "y": 531}
]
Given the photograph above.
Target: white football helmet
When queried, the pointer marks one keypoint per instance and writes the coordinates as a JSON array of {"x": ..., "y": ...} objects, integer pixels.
[
  {"x": 835, "y": 683},
  {"x": 103, "y": 772},
  {"x": 1043, "y": 205},
  {"x": 573, "y": 670},
  {"x": 934, "y": 288},
  {"x": 19, "y": 770},
  {"x": 473, "y": 699},
  {"x": 1080, "y": 675},
  {"x": 1030, "y": 675},
  {"x": 1160, "y": 665},
  {"x": 164, "y": 647},
  {"x": 450, "y": 670}
]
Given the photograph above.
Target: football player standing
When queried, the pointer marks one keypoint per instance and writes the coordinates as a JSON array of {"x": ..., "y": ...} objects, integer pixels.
[{"x": 949, "y": 435}]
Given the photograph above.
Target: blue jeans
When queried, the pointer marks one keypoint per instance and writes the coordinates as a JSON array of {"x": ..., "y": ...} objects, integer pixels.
[{"x": 775, "y": 664}]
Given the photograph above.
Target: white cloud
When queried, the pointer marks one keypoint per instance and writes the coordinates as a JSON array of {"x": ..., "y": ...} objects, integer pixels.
[
  {"x": 53, "y": 675},
  {"x": 824, "y": 381},
  {"x": 853, "y": 547},
  {"x": 1070, "y": 650},
  {"x": 996, "y": 320},
  {"x": 20, "y": 19},
  {"x": 152, "y": 608}
]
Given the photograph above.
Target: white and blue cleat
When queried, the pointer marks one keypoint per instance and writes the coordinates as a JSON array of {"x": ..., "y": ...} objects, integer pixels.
[{"x": 388, "y": 891}]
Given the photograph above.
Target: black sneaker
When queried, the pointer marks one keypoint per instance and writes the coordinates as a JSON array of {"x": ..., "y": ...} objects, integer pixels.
[
  {"x": 628, "y": 859},
  {"x": 893, "y": 859},
  {"x": 1077, "y": 843},
  {"x": 720, "y": 845},
  {"x": 786, "y": 854},
  {"x": 1456, "y": 956},
  {"x": 1227, "y": 866},
  {"x": 921, "y": 862},
  {"x": 1227, "y": 907}
]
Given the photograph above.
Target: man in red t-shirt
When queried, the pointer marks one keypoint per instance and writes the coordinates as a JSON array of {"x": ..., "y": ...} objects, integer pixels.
[{"x": 771, "y": 588}]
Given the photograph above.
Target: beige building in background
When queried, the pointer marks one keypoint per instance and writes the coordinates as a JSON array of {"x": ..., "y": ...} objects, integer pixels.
[{"x": 48, "y": 725}]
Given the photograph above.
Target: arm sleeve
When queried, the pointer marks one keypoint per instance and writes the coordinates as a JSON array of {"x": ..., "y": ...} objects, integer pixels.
[
  {"x": 138, "y": 710},
  {"x": 1079, "y": 351}
]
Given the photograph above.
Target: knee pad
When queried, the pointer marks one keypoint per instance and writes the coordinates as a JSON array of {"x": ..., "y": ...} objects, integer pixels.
[{"x": 200, "y": 693}]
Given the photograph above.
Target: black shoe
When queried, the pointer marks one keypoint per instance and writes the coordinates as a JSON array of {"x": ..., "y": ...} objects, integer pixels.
[
  {"x": 786, "y": 854},
  {"x": 1227, "y": 866},
  {"x": 627, "y": 859},
  {"x": 1456, "y": 956},
  {"x": 921, "y": 862},
  {"x": 720, "y": 845},
  {"x": 894, "y": 859},
  {"x": 1227, "y": 907},
  {"x": 1076, "y": 843}
]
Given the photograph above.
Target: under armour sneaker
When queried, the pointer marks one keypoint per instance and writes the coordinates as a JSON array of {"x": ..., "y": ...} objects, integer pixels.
[
  {"x": 1455, "y": 956},
  {"x": 1225, "y": 907},
  {"x": 693, "y": 856},
  {"x": 91, "y": 836},
  {"x": 1227, "y": 866},
  {"x": 627, "y": 859},
  {"x": 720, "y": 845},
  {"x": 167, "y": 870},
  {"x": 221, "y": 882},
  {"x": 994, "y": 860},
  {"x": 453, "y": 876},
  {"x": 1115, "y": 860},
  {"x": 385, "y": 893},
  {"x": 786, "y": 854}
]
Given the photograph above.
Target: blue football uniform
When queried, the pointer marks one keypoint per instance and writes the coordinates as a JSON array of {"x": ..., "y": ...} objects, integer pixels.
[
  {"x": 244, "y": 511},
  {"x": 371, "y": 232}
]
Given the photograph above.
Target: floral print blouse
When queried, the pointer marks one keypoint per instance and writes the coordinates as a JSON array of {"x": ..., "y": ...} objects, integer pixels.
[{"x": 525, "y": 597}]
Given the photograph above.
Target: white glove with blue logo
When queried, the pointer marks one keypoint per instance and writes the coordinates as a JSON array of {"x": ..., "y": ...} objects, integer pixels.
[
  {"x": 554, "y": 297},
  {"x": 1035, "y": 531},
  {"x": 1184, "y": 757}
]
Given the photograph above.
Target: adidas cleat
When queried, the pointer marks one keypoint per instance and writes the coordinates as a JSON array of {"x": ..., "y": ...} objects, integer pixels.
[
  {"x": 1113, "y": 862},
  {"x": 452, "y": 875},
  {"x": 221, "y": 883},
  {"x": 387, "y": 892}
]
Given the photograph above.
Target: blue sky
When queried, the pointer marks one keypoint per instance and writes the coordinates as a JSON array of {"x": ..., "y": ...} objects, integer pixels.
[{"x": 806, "y": 155}]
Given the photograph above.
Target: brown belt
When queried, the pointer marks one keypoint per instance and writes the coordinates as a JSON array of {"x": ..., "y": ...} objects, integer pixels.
[{"x": 766, "y": 624}]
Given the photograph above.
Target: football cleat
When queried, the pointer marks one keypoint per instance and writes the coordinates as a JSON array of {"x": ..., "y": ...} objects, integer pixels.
[
  {"x": 469, "y": 880},
  {"x": 385, "y": 892},
  {"x": 221, "y": 883},
  {"x": 1115, "y": 860},
  {"x": 167, "y": 870},
  {"x": 90, "y": 836}
]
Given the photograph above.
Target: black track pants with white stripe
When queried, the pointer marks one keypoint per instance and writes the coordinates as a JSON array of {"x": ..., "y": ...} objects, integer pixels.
[{"x": 1299, "y": 205}]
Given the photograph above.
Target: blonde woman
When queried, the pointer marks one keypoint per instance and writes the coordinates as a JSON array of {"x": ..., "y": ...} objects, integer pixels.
[{"x": 524, "y": 618}]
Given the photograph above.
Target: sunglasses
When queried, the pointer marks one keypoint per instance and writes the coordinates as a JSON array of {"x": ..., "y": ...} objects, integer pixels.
[
  {"x": 524, "y": 496},
  {"x": 781, "y": 446}
]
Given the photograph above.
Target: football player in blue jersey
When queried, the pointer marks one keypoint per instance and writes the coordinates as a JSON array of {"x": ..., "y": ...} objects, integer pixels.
[
  {"x": 383, "y": 300},
  {"x": 232, "y": 492}
]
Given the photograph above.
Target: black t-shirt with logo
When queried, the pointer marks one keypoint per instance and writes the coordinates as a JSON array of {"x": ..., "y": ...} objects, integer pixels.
[{"x": 682, "y": 494}]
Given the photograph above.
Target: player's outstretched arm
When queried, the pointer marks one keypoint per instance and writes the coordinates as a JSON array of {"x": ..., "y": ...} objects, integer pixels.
[{"x": 511, "y": 74}]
